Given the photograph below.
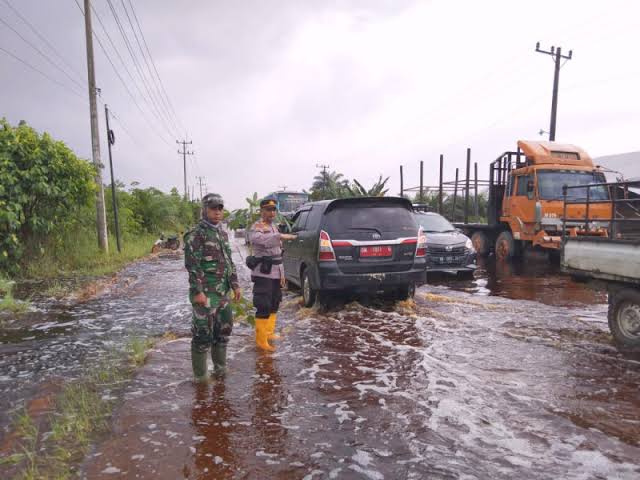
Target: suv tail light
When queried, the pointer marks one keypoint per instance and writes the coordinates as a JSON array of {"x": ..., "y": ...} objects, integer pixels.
[
  {"x": 325, "y": 252},
  {"x": 421, "y": 247}
]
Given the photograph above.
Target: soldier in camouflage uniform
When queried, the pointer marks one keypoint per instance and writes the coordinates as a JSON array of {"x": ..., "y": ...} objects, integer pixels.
[{"x": 212, "y": 274}]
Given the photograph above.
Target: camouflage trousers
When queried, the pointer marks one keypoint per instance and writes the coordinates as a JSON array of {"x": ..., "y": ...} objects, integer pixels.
[{"x": 211, "y": 325}]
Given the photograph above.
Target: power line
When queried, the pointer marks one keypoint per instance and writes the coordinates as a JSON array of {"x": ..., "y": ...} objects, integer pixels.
[
  {"x": 44, "y": 39},
  {"x": 136, "y": 64},
  {"x": 115, "y": 48},
  {"x": 146, "y": 61},
  {"x": 43, "y": 55},
  {"x": 51, "y": 79},
  {"x": 177, "y": 118},
  {"x": 124, "y": 84}
]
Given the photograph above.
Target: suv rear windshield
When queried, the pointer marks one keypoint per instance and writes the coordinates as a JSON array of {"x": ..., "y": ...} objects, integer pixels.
[
  {"x": 434, "y": 223},
  {"x": 383, "y": 218}
]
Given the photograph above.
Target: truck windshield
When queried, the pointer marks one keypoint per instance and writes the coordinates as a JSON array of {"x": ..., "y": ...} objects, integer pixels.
[
  {"x": 550, "y": 184},
  {"x": 434, "y": 223}
]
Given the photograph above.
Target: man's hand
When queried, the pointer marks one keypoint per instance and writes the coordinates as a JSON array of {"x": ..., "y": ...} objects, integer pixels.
[
  {"x": 283, "y": 282},
  {"x": 288, "y": 236},
  {"x": 237, "y": 294},
  {"x": 200, "y": 299}
]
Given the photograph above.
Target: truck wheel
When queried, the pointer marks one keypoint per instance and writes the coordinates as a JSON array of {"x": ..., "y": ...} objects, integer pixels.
[
  {"x": 309, "y": 294},
  {"x": 506, "y": 246},
  {"x": 624, "y": 319},
  {"x": 480, "y": 243}
]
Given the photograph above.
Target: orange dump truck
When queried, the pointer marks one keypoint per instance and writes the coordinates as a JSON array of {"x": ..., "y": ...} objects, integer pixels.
[{"x": 526, "y": 204}]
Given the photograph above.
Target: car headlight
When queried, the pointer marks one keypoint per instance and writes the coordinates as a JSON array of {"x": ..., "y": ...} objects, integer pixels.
[{"x": 469, "y": 245}]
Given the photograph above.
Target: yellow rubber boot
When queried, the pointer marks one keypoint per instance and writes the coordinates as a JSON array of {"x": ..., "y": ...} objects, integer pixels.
[
  {"x": 262, "y": 331},
  {"x": 272, "y": 327}
]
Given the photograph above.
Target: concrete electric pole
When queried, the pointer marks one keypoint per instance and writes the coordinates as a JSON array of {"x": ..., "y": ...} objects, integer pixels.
[
  {"x": 324, "y": 178},
  {"x": 200, "y": 182},
  {"x": 557, "y": 56},
  {"x": 103, "y": 240},
  {"x": 184, "y": 154}
]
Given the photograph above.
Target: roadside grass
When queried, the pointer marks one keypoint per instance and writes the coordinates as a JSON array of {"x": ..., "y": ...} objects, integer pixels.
[
  {"x": 7, "y": 302},
  {"x": 81, "y": 414},
  {"x": 138, "y": 349},
  {"x": 81, "y": 257}
]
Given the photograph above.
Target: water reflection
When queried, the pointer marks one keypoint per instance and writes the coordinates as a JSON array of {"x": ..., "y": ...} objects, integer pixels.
[
  {"x": 269, "y": 402},
  {"x": 532, "y": 277},
  {"x": 213, "y": 417}
]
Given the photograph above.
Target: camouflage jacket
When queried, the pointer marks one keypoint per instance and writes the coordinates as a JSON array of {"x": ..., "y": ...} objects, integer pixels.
[{"x": 207, "y": 258}]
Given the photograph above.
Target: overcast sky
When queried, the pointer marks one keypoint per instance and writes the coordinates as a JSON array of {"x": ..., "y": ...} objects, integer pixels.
[{"x": 269, "y": 89}]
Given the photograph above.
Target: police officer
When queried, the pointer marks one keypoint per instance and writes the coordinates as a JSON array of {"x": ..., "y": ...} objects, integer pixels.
[
  {"x": 212, "y": 274},
  {"x": 268, "y": 276}
]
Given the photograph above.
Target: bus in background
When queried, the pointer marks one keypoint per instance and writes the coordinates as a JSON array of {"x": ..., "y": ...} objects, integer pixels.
[{"x": 289, "y": 202}]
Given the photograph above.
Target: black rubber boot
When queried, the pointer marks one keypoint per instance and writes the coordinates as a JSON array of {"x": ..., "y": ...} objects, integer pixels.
[
  {"x": 219, "y": 358},
  {"x": 199, "y": 365}
]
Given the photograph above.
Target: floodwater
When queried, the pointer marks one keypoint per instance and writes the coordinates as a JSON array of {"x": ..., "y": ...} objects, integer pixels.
[{"x": 509, "y": 375}]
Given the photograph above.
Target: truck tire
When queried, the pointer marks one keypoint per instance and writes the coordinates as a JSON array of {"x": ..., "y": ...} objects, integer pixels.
[
  {"x": 624, "y": 319},
  {"x": 506, "y": 247},
  {"x": 480, "y": 243}
]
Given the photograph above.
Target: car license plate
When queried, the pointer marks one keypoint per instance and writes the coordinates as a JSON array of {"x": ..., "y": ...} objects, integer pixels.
[{"x": 377, "y": 251}]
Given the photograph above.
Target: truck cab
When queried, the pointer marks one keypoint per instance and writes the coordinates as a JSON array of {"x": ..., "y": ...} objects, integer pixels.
[{"x": 526, "y": 196}]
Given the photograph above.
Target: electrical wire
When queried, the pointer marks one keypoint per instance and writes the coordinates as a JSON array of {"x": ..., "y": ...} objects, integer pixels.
[
  {"x": 42, "y": 54},
  {"x": 117, "y": 52},
  {"x": 45, "y": 41},
  {"x": 136, "y": 64},
  {"x": 146, "y": 61},
  {"x": 168, "y": 99},
  {"x": 124, "y": 84},
  {"x": 24, "y": 62}
]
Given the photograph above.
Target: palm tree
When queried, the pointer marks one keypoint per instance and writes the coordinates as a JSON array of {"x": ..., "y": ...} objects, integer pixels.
[
  {"x": 378, "y": 189},
  {"x": 329, "y": 185}
]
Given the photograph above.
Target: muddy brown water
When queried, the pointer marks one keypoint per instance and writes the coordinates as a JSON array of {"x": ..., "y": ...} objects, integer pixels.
[{"x": 510, "y": 375}]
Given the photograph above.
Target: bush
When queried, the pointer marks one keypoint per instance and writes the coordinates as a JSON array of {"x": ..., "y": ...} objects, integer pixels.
[
  {"x": 48, "y": 209},
  {"x": 43, "y": 185}
]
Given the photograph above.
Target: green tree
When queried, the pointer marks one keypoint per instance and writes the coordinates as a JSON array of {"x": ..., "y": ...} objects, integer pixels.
[
  {"x": 377, "y": 190},
  {"x": 43, "y": 187},
  {"x": 329, "y": 185}
]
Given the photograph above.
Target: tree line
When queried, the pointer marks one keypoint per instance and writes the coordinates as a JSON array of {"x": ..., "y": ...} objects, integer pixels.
[
  {"x": 48, "y": 196},
  {"x": 330, "y": 185}
]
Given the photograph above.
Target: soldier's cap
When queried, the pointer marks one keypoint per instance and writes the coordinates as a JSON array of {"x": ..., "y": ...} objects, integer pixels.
[
  {"x": 212, "y": 200},
  {"x": 268, "y": 202}
]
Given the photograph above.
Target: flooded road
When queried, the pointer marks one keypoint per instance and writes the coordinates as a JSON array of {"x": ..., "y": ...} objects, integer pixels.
[
  {"x": 511, "y": 375},
  {"x": 56, "y": 341}
]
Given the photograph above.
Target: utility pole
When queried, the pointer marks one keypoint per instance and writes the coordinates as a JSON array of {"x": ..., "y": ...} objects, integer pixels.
[
  {"x": 184, "y": 154},
  {"x": 200, "y": 183},
  {"x": 466, "y": 187},
  {"x": 101, "y": 214},
  {"x": 324, "y": 178},
  {"x": 557, "y": 56},
  {"x": 111, "y": 139}
]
